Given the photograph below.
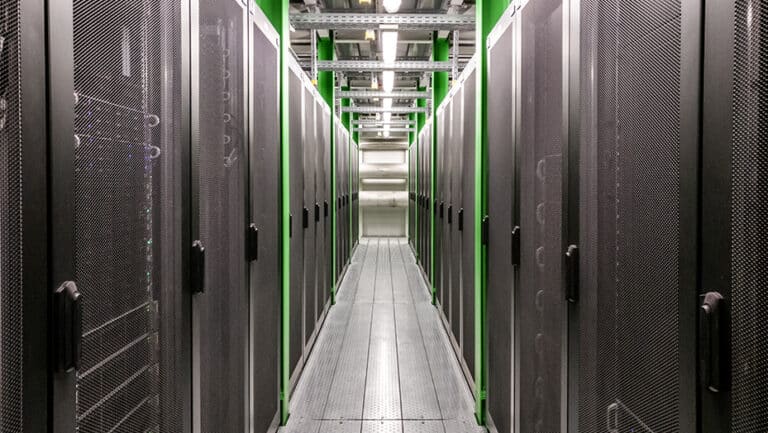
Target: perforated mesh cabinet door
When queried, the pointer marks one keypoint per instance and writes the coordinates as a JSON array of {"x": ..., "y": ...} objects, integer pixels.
[
  {"x": 128, "y": 166},
  {"x": 265, "y": 276},
  {"x": 296, "y": 122},
  {"x": 327, "y": 208},
  {"x": 223, "y": 308},
  {"x": 634, "y": 283},
  {"x": 540, "y": 308},
  {"x": 468, "y": 223},
  {"x": 439, "y": 199},
  {"x": 501, "y": 196},
  {"x": 447, "y": 242},
  {"x": 310, "y": 166},
  {"x": 11, "y": 220},
  {"x": 749, "y": 219},
  {"x": 456, "y": 174},
  {"x": 734, "y": 205}
]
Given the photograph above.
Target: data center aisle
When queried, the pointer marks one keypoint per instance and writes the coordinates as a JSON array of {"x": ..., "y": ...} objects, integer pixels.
[{"x": 383, "y": 362}]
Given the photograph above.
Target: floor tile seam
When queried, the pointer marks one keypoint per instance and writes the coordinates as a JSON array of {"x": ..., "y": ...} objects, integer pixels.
[{"x": 409, "y": 277}]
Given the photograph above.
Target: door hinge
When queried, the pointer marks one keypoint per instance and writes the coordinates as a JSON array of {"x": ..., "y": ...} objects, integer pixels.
[
  {"x": 515, "y": 246},
  {"x": 572, "y": 274},
  {"x": 712, "y": 327},
  {"x": 253, "y": 243},
  {"x": 68, "y": 308},
  {"x": 197, "y": 267}
]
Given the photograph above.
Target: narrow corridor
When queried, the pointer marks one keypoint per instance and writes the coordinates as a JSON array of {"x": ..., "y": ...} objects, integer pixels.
[{"x": 382, "y": 362}]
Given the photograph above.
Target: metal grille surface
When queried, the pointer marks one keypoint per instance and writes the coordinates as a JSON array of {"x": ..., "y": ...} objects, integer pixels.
[
  {"x": 629, "y": 362},
  {"x": 127, "y": 170},
  {"x": 749, "y": 268},
  {"x": 501, "y": 169},
  {"x": 223, "y": 312},
  {"x": 11, "y": 297},
  {"x": 541, "y": 307}
]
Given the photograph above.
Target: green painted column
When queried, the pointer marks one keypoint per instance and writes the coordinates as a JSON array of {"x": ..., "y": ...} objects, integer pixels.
[
  {"x": 488, "y": 13},
  {"x": 440, "y": 52},
  {"x": 326, "y": 50},
  {"x": 421, "y": 118},
  {"x": 355, "y": 135},
  {"x": 345, "y": 117},
  {"x": 412, "y": 134},
  {"x": 277, "y": 13}
]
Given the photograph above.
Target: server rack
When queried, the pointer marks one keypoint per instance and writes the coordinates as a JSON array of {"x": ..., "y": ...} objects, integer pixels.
[
  {"x": 466, "y": 216},
  {"x": 309, "y": 147},
  {"x": 219, "y": 173},
  {"x": 638, "y": 183},
  {"x": 120, "y": 149},
  {"x": 24, "y": 120},
  {"x": 732, "y": 324},
  {"x": 265, "y": 221},
  {"x": 296, "y": 126},
  {"x": 327, "y": 201},
  {"x": 455, "y": 178},
  {"x": 503, "y": 229},
  {"x": 440, "y": 206}
]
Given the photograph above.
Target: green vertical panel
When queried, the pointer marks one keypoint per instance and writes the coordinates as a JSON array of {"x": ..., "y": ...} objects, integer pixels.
[
  {"x": 488, "y": 13},
  {"x": 277, "y": 13},
  {"x": 325, "y": 85},
  {"x": 355, "y": 135},
  {"x": 439, "y": 90},
  {"x": 345, "y": 116}
]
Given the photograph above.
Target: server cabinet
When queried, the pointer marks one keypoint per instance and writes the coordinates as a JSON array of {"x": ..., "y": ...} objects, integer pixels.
[
  {"x": 24, "y": 281},
  {"x": 439, "y": 205},
  {"x": 219, "y": 172},
  {"x": 309, "y": 148},
  {"x": 540, "y": 304},
  {"x": 296, "y": 231},
  {"x": 327, "y": 253},
  {"x": 448, "y": 268},
  {"x": 411, "y": 197},
  {"x": 466, "y": 217},
  {"x": 502, "y": 229},
  {"x": 733, "y": 359},
  {"x": 639, "y": 77},
  {"x": 118, "y": 203},
  {"x": 455, "y": 175},
  {"x": 264, "y": 231}
]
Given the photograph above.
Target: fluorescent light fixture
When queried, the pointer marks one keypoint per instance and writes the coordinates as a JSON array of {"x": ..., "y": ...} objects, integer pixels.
[
  {"x": 392, "y": 6},
  {"x": 386, "y": 103},
  {"x": 364, "y": 2},
  {"x": 370, "y": 35},
  {"x": 386, "y": 131},
  {"x": 374, "y": 82},
  {"x": 388, "y": 46},
  {"x": 388, "y": 81},
  {"x": 387, "y": 117}
]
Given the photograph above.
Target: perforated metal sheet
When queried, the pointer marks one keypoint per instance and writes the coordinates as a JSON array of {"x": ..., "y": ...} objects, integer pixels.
[
  {"x": 295, "y": 93},
  {"x": 501, "y": 169},
  {"x": 265, "y": 213},
  {"x": 11, "y": 215},
  {"x": 748, "y": 218},
  {"x": 629, "y": 362},
  {"x": 540, "y": 308},
  {"x": 468, "y": 233},
  {"x": 127, "y": 262},
  {"x": 223, "y": 312},
  {"x": 455, "y": 176}
]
